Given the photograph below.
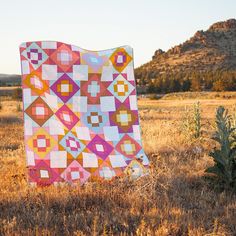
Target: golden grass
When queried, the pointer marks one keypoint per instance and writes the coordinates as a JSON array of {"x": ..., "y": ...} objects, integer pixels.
[
  {"x": 200, "y": 95},
  {"x": 175, "y": 199}
]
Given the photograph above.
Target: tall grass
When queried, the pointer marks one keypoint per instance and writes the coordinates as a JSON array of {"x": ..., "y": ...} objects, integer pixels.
[
  {"x": 174, "y": 199},
  {"x": 197, "y": 120}
]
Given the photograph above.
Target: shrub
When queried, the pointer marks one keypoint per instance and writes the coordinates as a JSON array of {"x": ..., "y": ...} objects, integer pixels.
[
  {"x": 153, "y": 97},
  {"x": 224, "y": 157},
  {"x": 18, "y": 106},
  {"x": 191, "y": 121},
  {"x": 17, "y": 94}
]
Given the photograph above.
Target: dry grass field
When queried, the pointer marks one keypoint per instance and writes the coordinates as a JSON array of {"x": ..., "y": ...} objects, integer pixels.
[{"x": 177, "y": 198}]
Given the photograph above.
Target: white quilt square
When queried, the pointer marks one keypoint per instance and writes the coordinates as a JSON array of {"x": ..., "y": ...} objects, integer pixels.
[
  {"x": 75, "y": 175},
  {"x": 94, "y": 119},
  {"x": 49, "y": 45},
  {"x": 80, "y": 104},
  {"x": 136, "y": 132},
  {"x": 90, "y": 160},
  {"x": 66, "y": 117},
  {"x": 51, "y": 100},
  {"x": 107, "y": 103},
  {"x": 30, "y": 158},
  {"x": 56, "y": 127},
  {"x": 65, "y": 88},
  {"x": 117, "y": 161},
  {"x": 28, "y": 127},
  {"x": 49, "y": 72},
  {"x": 83, "y": 133},
  {"x": 27, "y": 96},
  {"x": 111, "y": 133},
  {"x": 44, "y": 174},
  {"x": 25, "y": 67},
  {"x": 133, "y": 102},
  {"x": 107, "y": 73},
  {"x": 130, "y": 73},
  {"x": 58, "y": 159},
  {"x": 40, "y": 111},
  {"x": 41, "y": 143},
  {"x": 120, "y": 59},
  {"x": 100, "y": 147},
  {"x": 80, "y": 72}
]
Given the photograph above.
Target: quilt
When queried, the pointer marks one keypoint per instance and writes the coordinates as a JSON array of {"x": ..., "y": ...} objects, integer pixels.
[{"x": 81, "y": 120}]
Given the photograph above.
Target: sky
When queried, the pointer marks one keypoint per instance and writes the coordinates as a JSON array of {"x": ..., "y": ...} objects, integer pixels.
[{"x": 145, "y": 25}]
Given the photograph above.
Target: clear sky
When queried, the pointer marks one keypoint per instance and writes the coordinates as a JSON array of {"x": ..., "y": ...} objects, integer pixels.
[{"x": 146, "y": 25}]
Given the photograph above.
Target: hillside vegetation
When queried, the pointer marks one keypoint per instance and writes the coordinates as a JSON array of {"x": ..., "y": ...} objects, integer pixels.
[{"x": 207, "y": 61}]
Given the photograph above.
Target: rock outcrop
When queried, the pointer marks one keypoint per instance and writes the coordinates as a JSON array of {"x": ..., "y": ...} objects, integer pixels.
[{"x": 210, "y": 50}]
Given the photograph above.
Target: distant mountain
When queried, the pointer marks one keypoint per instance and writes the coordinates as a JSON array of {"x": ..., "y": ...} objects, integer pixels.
[
  {"x": 207, "y": 51},
  {"x": 10, "y": 80}
]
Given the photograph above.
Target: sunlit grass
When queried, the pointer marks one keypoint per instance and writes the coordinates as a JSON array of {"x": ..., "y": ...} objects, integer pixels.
[{"x": 175, "y": 199}]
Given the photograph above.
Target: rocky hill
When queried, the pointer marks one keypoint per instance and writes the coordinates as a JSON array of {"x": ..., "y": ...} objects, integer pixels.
[{"x": 207, "y": 51}]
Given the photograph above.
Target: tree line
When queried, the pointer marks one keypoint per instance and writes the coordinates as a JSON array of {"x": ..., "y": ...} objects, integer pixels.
[{"x": 218, "y": 80}]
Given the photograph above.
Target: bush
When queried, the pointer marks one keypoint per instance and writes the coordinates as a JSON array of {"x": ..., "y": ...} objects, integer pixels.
[
  {"x": 191, "y": 121},
  {"x": 18, "y": 107},
  {"x": 224, "y": 157},
  {"x": 153, "y": 97},
  {"x": 17, "y": 94}
]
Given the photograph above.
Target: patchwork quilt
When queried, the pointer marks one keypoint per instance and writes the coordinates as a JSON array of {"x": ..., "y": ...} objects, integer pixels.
[{"x": 81, "y": 118}]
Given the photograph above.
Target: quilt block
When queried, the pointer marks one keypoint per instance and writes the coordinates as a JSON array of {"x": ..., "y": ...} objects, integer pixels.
[{"x": 81, "y": 118}]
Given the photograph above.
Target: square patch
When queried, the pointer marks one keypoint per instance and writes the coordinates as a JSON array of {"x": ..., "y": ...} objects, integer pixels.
[
  {"x": 49, "y": 72},
  {"x": 107, "y": 103},
  {"x": 80, "y": 72},
  {"x": 90, "y": 160},
  {"x": 117, "y": 161},
  {"x": 83, "y": 133},
  {"x": 111, "y": 133},
  {"x": 58, "y": 159}
]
